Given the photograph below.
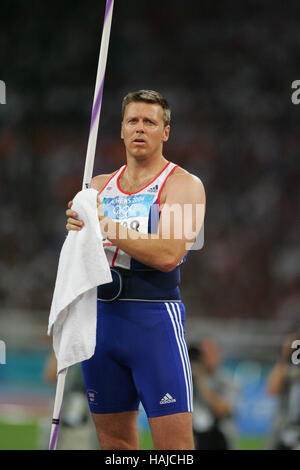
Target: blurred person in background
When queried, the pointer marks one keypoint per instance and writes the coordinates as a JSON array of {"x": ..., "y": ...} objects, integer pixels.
[
  {"x": 77, "y": 430},
  {"x": 284, "y": 383},
  {"x": 214, "y": 399}
]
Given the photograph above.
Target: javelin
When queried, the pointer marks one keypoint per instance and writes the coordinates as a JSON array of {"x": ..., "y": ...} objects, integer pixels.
[
  {"x": 90, "y": 156},
  {"x": 87, "y": 177}
]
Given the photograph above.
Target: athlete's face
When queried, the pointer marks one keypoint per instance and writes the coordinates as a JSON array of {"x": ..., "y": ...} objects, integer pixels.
[{"x": 143, "y": 129}]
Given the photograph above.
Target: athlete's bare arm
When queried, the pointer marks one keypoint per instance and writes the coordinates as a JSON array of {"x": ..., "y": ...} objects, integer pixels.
[{"x": 182, "y": 215}]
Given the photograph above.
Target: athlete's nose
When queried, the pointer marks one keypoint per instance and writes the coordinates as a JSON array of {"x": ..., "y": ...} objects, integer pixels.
[{"x": 140, "y": 127}]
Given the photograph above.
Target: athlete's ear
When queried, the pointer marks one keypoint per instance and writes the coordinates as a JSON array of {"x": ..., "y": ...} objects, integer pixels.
[
  {"x": 166, "y": 134},
  {"x": 122, "y": 136}
]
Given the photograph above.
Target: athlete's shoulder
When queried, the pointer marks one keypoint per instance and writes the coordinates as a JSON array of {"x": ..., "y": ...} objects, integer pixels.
[
  {"x": 99, "y": 181},
  {"x": 182, "y": 185},
  {"x": 182, "y": 176}
]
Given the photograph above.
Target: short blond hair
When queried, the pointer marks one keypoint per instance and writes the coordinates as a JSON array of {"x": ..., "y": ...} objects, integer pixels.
[{"x": 148, "y": 96}]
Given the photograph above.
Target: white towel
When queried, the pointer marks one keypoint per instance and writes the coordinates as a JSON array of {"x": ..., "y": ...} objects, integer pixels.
[{"x": 82, "y": 267}]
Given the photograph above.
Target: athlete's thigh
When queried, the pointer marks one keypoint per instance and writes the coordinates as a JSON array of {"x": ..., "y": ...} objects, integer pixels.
[
  {"x": 117, "y": 431},
  {"x": 161, "y": 368},
  {"x": 172, "y": 432},
  {"x": 108, "y": 380}
]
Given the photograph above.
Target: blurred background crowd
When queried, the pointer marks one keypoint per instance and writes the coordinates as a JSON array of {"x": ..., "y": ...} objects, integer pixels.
[{"x": 226, "y": 68}]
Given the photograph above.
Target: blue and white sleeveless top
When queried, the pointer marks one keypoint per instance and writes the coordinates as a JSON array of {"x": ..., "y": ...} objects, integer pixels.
[{"x": 138, "y": 211}]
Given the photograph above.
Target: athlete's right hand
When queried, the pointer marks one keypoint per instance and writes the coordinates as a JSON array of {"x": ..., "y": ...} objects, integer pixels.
[{"x": 73, "y": 223}]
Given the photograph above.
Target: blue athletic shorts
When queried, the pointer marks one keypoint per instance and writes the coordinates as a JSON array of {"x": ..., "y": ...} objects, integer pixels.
[{"x": 140, "y": 355}]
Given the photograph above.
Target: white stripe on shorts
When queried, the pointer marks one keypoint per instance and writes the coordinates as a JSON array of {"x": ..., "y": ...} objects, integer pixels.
[
  {"x": 188, "y": 365},
  {"x": 177, "y": 331}
]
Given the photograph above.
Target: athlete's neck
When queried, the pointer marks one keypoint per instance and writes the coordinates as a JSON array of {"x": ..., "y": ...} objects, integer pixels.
[{"x": 138, "y": 171}]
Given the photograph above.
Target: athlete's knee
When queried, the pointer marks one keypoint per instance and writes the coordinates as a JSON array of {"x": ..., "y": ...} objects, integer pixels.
[
  {"x": 174, "y": 441},
  {"x": 118, "y": 439},
  {"x": 115, "y": 443},
  {"x": 117, "y": 432},
  {"x": 172, "y": 432}
]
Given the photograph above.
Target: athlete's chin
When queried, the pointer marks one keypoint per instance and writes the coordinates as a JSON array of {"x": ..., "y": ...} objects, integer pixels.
[{"x": 140, "y": 154}]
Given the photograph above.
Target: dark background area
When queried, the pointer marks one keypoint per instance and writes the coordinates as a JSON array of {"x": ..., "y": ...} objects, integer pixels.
[{"x": 226, "y": 69}]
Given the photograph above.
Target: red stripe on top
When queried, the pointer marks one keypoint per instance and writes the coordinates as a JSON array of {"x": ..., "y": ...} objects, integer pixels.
[
  {"x": 108, "y": 181},
  {"x": 158, "y": 197},
  {"x": 124, "y": 192},
  {"x": 115, "y": 257}
]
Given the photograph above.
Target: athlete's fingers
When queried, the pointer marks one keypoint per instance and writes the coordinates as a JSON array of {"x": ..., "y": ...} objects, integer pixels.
[
  {"x": 74, "y": 224},
  {"x": 70, "y": 213},
  {"x": 75, "y": 221},
  {"x": 70, "y": 204},
  {"x": 75, "y": 228},
  {"x": 78, "y": 223}
]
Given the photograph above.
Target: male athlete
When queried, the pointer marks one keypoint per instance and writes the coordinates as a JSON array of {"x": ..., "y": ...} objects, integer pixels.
[{"x": 147, "y": 213}]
